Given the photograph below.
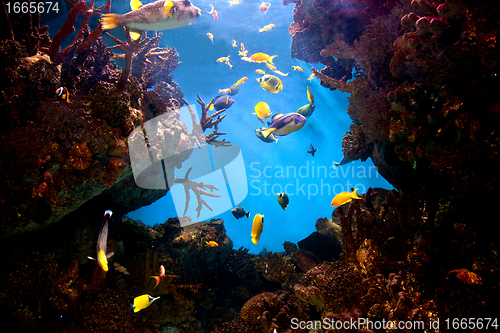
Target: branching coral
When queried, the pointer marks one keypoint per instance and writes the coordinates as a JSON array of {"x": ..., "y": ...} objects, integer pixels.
[
  {"x": 83, "y": 39},
  {"x": 198, "y": 189}
]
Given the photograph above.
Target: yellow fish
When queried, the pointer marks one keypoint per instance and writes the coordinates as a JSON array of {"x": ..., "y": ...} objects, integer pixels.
[
  {"x": 344, "y": 197},
  {"x": 102, "y": 257},
  {"x": 311, "y": 77},
  {"x": 234, "y": 44},
  {"x": 262, "y": 57},
  {"x": 267, "y": 27},
  {"x": 298, "y": 68},
  {"x": 142, "y": 302},
  {"x": 234, "y": 2},
  {"x": 159, "y": 15},
  {"x": 214, "y": 13},
  {"x": 211, "y": 244},
  {"x": 228, "y": 63},
  {"x": 211, "y": 37},
  {"x": 262, "y": 111},
  {"x": 271, "y": 83},
  {"x": 260, "y": 71},
  {"x": 257, "y": 227}
]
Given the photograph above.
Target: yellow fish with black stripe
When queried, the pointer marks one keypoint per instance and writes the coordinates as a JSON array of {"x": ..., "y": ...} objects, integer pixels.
[
  {"x": 142, "y": 302},
  {"x": 159, "y": 15},
  {"x": 271, "y": 83}
]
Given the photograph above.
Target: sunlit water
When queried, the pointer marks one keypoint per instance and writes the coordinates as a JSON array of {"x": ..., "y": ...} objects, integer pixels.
[{"x": 310, "y": 182}]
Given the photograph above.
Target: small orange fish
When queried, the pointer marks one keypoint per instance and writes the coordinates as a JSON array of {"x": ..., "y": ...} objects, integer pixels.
[
  {"x": 271, "y": 67},
  {"x": 228, "y": 63},
  {"x": 214, "y": 13},
  {"x": 247, "y": 59},
  {"x": 222, "y": 59},
  {"x": 211, "y": 244},
  {"x": 297, "y": 68},
  {"x": 264, "y": 7},
  {"x": 162, "y": 276},
  {"x": 225, "y": 91},
  {"x": 260, "y": 71},
  {"x": 280, "y": 73},
  {"x": 211, "y": 37},
  {"x": 234, "y": 43},
  {"x": 267, "y": 27},
  {"x": 344, "y": 197},
  {"x": 240, "y": 81},
  {"x": 243, "y": 52},
  {"x": 262, "y": 57},
  {"x": 234, "y": 2}
]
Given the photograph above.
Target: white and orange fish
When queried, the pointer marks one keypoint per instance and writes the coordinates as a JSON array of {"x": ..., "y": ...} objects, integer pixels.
[
  {"x": 213, "y": 12},
  {"x": 102, "y": 240},
  {"x": 228, "y": 63},
  {"x": 234, "y": 43},
  {"x": 264, "y": 6},
  {"x": 247, "y": 59},
  {"x": 234, "y": 2},
  {"x": 297, "y": 68},
  {"x": 159, "y": 15},
  {"x": 260, "y": 71},
  {"x": 162, "y": 276},
  {"x": 240, "y": 81},
  {"x": 280, "y": 73},
  {"x": 267, "y": 27},
  {"x": 271, "y": 67}
]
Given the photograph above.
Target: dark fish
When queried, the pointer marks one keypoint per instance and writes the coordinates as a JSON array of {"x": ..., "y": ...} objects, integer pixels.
[
  {"x": 221, "y": 102},
  {"x": 270, "y": 138},
  {"x": 283, "y": 200},
  {"x": 311, "y": 150},
  {"x": 239, "y": 212}
]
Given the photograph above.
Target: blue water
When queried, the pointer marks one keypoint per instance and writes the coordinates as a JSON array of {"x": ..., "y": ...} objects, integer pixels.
[{"x": 270, "y": 168}]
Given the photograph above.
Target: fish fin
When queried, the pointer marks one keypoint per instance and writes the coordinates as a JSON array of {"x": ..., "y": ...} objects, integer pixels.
[
  {"x": 91, "y": 258},
  {"x": 270, "y": 60},
  {"x": 262, "y": 121},
  {"x": 247, "y": 214},
  {"x": 211, "y": 107},
  {"x": 310, "y": 97},
  {"x": 110, "y": 254},
  {"x": 135, "y": 4},
  {"x": 157, "y": 278},
  {"x": 335, "y": 165},
  {"x": 268, "y": 131},
  {"x": 109, "y": 21},
  {"x": 135, "y": 34},
  {"x": 168, "y": 8},
  {"x": 354, "y": 195}
]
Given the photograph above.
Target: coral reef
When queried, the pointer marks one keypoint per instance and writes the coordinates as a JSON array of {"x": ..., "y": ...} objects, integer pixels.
[{"x": 415, "y": 110}]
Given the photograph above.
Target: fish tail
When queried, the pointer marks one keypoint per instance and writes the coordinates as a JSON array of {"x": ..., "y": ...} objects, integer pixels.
[
  {"x": 354, "y": 195},
  {"x": 248, "y": 214},
  {"x": 110, "y": 21},
  {"x": 157, "y": 278},
  {"x": 335, "y": 166},
  {"x": 270, "y": 59},
  {"x": 268, "y": 131}
]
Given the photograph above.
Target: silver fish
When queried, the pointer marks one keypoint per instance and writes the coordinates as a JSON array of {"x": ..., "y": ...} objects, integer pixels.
[{"x": 159, "y": 15}]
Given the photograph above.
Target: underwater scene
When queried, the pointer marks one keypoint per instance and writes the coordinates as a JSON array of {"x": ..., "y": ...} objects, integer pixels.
[{"x": 249, "y": 166}]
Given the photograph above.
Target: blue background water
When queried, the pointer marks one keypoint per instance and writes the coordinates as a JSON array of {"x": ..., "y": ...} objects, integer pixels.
[{"x": 266, "y": 164}]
